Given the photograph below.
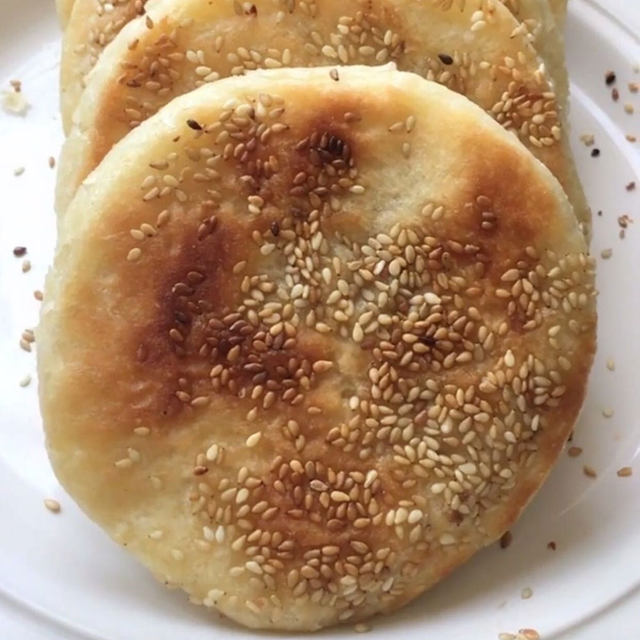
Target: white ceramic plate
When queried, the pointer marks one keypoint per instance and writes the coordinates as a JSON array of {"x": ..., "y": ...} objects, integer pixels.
[{"x": 60, "y": 577}]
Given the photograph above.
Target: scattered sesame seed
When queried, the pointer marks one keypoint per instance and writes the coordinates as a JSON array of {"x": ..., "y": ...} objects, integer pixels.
[
  {"x": 52, "y": 505},
  {"x": 588, "y": 139},
  {"x": 630, "y": 186},
  {"x": 574, "y": 452},
  {"x": 605, "y": 254},
  {"x": 595, "y": 153},
  {"x": 18, "y": 171},
  {"x": 193, "y": 124},
  {"x": 615, "y": 95},
  {"x": 609, "y": 78},
  {"x": 26, "y": 266},
  {"x": 624, "y": 221},
  {"x": 26, "y": 381},
  {"x": 38, "y": 295},
  {"x": 529, "y": 634},
  {"x": 19, "y": 252},
  {"x": 15, "y": 103},
  {"x": 628, "y": 108},
  {"x": 506, "y": 539},
  {"x": 624, "y": 472},
  {"x": 526, "y": 593},
  {"x": 552, "y": 546},
  {"x": 589, "y": 471},
  {"x": 52, "y": 162},
  {"x": 611, "y": 365},
  {"x": 608, "y": 412}
]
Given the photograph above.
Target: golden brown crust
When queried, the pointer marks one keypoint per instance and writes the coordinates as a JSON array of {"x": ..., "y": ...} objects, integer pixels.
[
  {"x": 478, "y": 51},
  {"x": 312, "y": 338}
]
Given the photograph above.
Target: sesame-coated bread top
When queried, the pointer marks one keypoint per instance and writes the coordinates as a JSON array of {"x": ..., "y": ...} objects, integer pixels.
[
  {"x": 312, "y": 338},
  {"x": 480, "y": 51}
]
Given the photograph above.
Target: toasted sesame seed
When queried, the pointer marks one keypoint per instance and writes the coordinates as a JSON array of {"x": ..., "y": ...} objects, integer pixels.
[
  {"x": 52, "y": 505},
  {"x": 589, "y": 471},
  {"x": 134, "y": 255},
  {"x": 361, "y": 627},
  {"x": 624, "y": 472},
  {"x": 254, "y": 439},
  {"x": 506, "y": 539}
]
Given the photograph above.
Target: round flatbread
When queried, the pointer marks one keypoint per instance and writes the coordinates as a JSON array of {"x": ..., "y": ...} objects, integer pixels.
[
  {"x": 312, "y": 338},
  {"x": 181, "y": 44}
]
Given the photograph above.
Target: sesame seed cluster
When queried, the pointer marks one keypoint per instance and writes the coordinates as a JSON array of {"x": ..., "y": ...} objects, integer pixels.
[{"x": 331, "y": 322}]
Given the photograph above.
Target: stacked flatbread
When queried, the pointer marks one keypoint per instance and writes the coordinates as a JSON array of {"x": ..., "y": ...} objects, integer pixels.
[{"x": 322, "y": 311}]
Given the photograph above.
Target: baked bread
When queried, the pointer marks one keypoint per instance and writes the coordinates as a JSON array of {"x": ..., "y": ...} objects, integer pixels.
[
  {"x": 181, "y": 44},
  {"x": 64, "y": 8},
  {"x": 312, "y": 338},
  {"x": 92, "y": 28}
]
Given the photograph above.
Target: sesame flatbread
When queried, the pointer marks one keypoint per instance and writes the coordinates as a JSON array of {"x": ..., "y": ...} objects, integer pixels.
[
  {"x": 181, "y": 44},
  {"x": 311, "y": 339}
]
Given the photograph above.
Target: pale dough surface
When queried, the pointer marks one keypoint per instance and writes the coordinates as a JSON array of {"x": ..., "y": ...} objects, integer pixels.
[{"x": 64, "y": 8}]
